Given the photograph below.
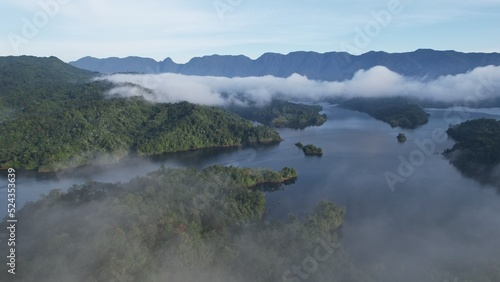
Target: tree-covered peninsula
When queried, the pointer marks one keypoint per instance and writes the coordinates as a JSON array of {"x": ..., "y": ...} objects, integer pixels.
[
  {"x": 57, "y": 117},
  {"x": 396, "y": 112},
  {"x": 476, "y": 152},
  {"x": 282, "y": 114}
]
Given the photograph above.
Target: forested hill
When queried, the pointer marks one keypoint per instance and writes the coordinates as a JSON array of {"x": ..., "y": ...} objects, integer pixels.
[
  {"x": 27, "y": 82},
  {"x": 175, "y": 225},
  {"x": 37, "y": 70},
  {"x": 54, "y": 116}
]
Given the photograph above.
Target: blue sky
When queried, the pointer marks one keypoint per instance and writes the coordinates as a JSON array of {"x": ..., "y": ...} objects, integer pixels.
[{"x": 71, "y": 29}]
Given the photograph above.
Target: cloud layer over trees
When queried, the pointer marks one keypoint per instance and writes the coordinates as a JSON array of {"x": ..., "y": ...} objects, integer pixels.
[{"x": 478, "y": 84}]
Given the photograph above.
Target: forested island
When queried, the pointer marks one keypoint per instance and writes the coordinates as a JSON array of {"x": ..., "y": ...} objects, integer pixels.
[
  {"x": 57, "y": 117},
  {"x": 477, "y": 149},
  {"x": 310, "y": 149},
  {"x": 282, "y": 114},
  {"x": 175, "y": 225},
  {"x": 401, "y": 137},
  {"x": 401, "y": 112}
]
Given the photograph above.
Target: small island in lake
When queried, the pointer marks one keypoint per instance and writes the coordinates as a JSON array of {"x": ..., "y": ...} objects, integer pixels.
[
  {"x": 401, "y": 138},
  {"x": 310, "y": 149}
]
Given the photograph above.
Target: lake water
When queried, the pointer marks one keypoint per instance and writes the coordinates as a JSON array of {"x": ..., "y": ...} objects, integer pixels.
[{"x": 436, "y": 215}]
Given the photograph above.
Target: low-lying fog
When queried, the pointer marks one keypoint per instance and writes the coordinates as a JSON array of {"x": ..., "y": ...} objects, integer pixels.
[{"x": 478, "y": 84}]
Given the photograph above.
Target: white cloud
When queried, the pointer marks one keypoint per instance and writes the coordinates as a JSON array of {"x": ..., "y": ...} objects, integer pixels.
[{"x": 483, "y": 82}]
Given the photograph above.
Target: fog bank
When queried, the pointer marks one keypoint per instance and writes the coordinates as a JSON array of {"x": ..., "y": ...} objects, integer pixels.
[{"x": 478, "y": 84}]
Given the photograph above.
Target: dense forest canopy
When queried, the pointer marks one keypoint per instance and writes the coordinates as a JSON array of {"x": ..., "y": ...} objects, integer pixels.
[
  {"x": 30, "y": 85},
  {"x": 477, "y": 149},
  {"x": 397, "y": 111},
  {"x": 478, "y": 139},
  {"x": 283, "y": 114},
  {"x": 175, "y": 225},
  {"x": 309, "y": 149},
  {"x": 59, "y": 118}
]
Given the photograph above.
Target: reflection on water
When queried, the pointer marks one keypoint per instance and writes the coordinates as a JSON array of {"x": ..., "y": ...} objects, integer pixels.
[{"x": 434, "y": 215}]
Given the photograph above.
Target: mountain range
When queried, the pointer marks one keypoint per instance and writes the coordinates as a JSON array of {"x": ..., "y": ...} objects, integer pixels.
[{"x": 331, "y": 66}]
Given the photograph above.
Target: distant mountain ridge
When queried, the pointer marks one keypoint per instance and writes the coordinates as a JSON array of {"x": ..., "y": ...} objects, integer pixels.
[{"x": 331, "y": 66}]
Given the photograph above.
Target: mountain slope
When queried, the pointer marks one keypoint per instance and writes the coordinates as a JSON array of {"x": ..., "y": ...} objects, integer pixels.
[
  {"x": 58, "y": 118},
  {"x": 27, "y": 82},
  {"x": 332, "y": 66}
]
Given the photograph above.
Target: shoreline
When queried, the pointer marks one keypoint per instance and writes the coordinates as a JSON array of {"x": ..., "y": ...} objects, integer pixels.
[{"x": 132, "y": 155}]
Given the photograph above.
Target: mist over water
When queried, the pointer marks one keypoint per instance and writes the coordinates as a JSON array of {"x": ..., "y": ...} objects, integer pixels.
[{"x": 436, "y": 216}]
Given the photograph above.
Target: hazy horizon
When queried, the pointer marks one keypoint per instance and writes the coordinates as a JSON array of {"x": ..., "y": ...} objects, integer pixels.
[
  {"x": 160, "y": 59},
  {"x": 182, "y": 30}
]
